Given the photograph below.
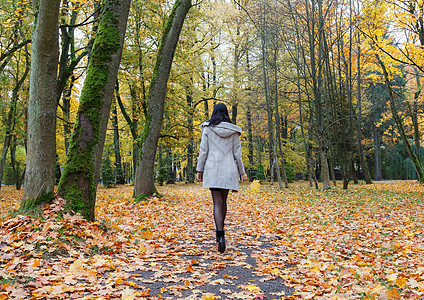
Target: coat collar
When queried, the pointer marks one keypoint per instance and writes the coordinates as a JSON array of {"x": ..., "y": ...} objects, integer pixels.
[{"x": 223, "y": 128}]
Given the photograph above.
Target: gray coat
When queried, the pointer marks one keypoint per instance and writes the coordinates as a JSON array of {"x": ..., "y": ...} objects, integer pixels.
[{"x": 220, "y": 156}]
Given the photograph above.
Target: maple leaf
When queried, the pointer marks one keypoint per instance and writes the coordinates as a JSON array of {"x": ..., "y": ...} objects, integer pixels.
[
  {"x": 255, "y": 186},
  {"x": 77, "y": 267},
  {"x": 147, "y": 234},
  {"x": 150, "y": 249},
  {"x": 189, "y": 268}
]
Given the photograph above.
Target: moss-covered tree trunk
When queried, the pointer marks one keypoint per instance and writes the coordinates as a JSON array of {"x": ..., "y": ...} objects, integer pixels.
[
  {"x": 78, "y": 183},
  {"x": 144, "y": 178},
  {"x": 41, "y": 133}
]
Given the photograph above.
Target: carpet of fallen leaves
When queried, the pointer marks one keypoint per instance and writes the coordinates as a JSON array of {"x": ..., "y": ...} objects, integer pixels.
[{"x": 363, "y": 243}]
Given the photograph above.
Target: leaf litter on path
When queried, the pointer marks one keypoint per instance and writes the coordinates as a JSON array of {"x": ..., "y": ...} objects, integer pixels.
[{"x": 363, "y": 243}]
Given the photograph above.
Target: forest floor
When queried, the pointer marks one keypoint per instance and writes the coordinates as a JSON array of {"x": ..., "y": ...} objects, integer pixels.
[{"x": 366, "y": 242}]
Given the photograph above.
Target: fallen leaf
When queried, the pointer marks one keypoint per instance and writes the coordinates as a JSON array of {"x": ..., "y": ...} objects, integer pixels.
[
  {"x": 77, "y": 267},
  {"x": 4, "y": 296},
  {"x": 208, "y": 296}
]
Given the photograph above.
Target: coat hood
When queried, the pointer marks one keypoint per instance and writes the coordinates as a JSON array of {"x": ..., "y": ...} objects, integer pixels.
[{"x": 223, "y": 129}]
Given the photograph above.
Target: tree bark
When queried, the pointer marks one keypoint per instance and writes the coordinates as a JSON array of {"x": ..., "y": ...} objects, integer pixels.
[
  {"x": 271, "y": 141},
  {"x": 399, "y": 123},
  {"x": 15, "y": 167},
  {"x": 277, "y": 120},
  {"x": 377, "y": 155},
  {"x": 190, "y": 145},
  {"x": 359, "y": 123},
  {"x": 317, "y": 86},
  {"x": 249, "y": 136},
  {"x": 78, "y": 183},
  {"x": 10, "y": 123},
  {"x": 116, "y": 146},
  {"x": 41, "y": 132},
  {"x": 415, "y": 115},
  {"x": 66, "y": 109},
  {"x": 144, "y": 178}
]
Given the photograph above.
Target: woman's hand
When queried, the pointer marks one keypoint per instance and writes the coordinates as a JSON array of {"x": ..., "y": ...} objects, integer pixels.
[
  {"x": 199, "y": 176},
  {"x": 244, "y": 177}
]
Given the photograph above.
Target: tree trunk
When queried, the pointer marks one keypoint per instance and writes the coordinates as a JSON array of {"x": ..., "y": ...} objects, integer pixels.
[
  {"x": 41, "y": 132},
  {"x": 10, "y": 123},
  {"x": 353, "y": 172},
  {"x": 345, "y": 174},
  {"x": 66, "y": 109},
  {"x": 332, "y": 173},
  {"x": 317, "y": 87},
  {"x": 377, "y": 155},
  {"x": 190, "y": 145},
  {"x": 144, "y": 178},
  {"x": 67, "y": 61},
  {"x": 399, "y": 123},
  {"x": 415, "y": 115},
  {"x": 131, "y": 123},
  {"x": 78, "y": 183},
  {"x": 6, "y": 145},
  {"x": 359, "y": 123},
  {"x": 264, "y": 32},
  {"x": 277, "y": 121},
  {"x": 15, "y": 167},
  {"x": 234, "y": 112},
  {"x": 251, "y": 172},
  {"x": 116, "y": 146},
  {"x": 249, "y": 137},
  {"x": 306, "y": 140}
]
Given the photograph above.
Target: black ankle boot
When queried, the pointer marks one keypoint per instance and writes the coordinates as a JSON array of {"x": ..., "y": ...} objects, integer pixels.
[{"x": 220, "y": 236}]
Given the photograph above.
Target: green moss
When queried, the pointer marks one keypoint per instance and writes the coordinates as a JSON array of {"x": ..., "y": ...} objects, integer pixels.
[
  {"x": 144, "y": 135},
  {"x": 164, "y": 37},
  {"x": 103, "y": 250},
  {"x": 36, "y": 10},
  {"x": 74, "y": 195},
  {"x": 145, "y": 197},
  {"x": 142, "y": 197},
  {"x": 33, "y": 206},
  {"x": 86, "y": 134}
]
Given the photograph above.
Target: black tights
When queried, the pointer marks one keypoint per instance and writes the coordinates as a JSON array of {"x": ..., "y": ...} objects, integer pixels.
[{"x": 219, "y": 207}]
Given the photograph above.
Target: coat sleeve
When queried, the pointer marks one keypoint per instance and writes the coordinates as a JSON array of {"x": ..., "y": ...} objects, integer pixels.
[
  {"x": 237, "y": 154},
  {"x": 203, "y": 152}
]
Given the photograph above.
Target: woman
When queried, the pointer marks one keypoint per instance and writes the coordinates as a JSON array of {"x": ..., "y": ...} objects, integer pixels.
[{"x": 220, "y": 164}]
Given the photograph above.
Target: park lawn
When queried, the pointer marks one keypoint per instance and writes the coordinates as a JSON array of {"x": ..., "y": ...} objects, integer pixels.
[{"x": 366, "y": 242}]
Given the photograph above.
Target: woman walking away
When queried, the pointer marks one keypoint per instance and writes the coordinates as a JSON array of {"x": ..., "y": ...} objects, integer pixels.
[{"x": 220, "y": 164}]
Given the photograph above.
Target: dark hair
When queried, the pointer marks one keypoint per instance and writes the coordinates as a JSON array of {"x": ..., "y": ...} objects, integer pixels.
[{"x": 219, "y": 114}]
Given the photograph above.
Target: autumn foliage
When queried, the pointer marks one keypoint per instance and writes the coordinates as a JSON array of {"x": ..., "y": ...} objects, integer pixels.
[{"x": 365, "y": 243}]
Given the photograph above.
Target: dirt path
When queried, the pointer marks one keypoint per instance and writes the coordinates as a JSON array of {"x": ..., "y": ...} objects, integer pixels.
[{"x": 185, "y": 263}]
